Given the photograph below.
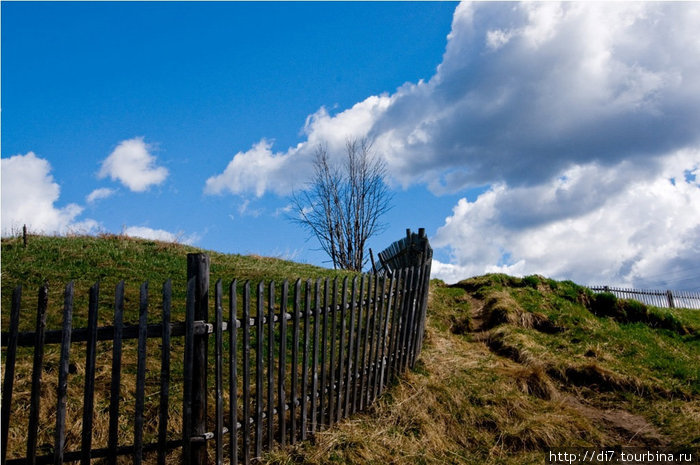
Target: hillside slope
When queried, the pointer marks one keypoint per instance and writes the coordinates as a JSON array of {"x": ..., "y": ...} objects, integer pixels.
[
  {"x": 513, "y": 367},
  {"x": 510, "y": 367}
]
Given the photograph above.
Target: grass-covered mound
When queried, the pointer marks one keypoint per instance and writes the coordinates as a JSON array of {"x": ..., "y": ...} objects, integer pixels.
[
  {"x": 513, "y": 367},
  {"x": 510, "y": 367}
]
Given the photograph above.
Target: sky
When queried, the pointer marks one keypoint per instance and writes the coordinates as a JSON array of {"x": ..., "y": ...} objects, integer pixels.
[{"x": 527, "y": 138}]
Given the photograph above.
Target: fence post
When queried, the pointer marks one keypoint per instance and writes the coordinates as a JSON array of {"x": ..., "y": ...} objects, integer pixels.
[
  {"x": 198, "y": 267},
  {"x": 669, "y": 296}
]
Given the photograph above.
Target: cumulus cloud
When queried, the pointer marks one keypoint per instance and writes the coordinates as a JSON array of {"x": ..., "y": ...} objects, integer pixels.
[
  {"x": 577, "y": 115},
  {"x": 630, "y": 228},
  {"x": 99, "y": 194},
  {"x": 132, "y": 164},
  {"x": 260, "y": 170},
  {"x": 159, "y": 235},
  {"x": 523, "y": 92},
  {"x": 29, "y": 194}
]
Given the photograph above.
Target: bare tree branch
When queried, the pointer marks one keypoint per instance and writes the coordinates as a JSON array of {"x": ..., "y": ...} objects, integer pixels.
[{"x": 342, "y": 206}]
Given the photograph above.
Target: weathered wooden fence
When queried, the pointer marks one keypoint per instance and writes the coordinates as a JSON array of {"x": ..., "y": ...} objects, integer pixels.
[
  {"x": 666, "y": 299},
  {"x": 287, "y": 360}
]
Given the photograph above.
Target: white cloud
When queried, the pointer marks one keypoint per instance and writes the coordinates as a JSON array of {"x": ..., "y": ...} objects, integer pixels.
[
  {"x": 29, "y": 194},
  {"x": 524, "y": 91},
  {"x": 631, "y": 226},
  {"x": 260, "y": 170},
  {"x": 256, "y": 170},
  {"x": 132, "y": 164},
  {"x": 99, "y": 194},
  {"x": 572, "y": 112},
  {"x": 160, "y": 235}
]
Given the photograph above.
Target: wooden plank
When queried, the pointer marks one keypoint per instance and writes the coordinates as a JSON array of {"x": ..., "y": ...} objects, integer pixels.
[
  {"x": 37, "y": 369},
  {"x": 372, "y": 342},
  {"x": 409, "y": 319},
  {"x": 405, "y": 303},
  {"x": 295, "y": 363},
  {"x": 314, "y": 361},
  {"x": 63, "y": 368},
  {"x": 219, "y": 373},
  {"x": 89, "y": 390},
  {"x": 101, "y": 453},
  {"x": 164, "y": 373},
  {"x": 259, "y": 319},
  {"x": 270, "y": 363},
  {"x": 281, "y": 375},
  {"x": 114, "y": 397},
  {"x": 341, "y": 351},
  {"x": 104, "y": 333},
  {"x": 188, "y": 369},
  {"x": 412, "y": 317},
  {"x": 395, "y": 326},
  {"x": 333, "y": 329},
  {"x": 305, "y": 362},
  {"x": 376, "y": 360},
  {"x": 349, "y": 369},
  {"x": 385, "y": 333},
  {"x": 140, "y": 376},
  {"x": 245, "y": 318},
  {"x": 381, "y": 343},
  {"x": 417, "y": 316},
  {"x": 356, "y": 376},
  {"x": 324, "y": 367},
  {"x": 424, "y": 302},
  {"x": 198, "y": 267},
  {"x": 233, "y": 371},
  {"x": 9, "y": 368},
  {"x": 365, "y": 336}
]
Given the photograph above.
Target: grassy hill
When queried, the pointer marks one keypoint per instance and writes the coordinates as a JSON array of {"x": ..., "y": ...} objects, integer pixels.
[{"x": 510, "y": 367}]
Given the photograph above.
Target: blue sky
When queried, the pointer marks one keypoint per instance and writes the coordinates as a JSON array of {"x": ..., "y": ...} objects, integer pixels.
[{"x": 558, "y": 139}]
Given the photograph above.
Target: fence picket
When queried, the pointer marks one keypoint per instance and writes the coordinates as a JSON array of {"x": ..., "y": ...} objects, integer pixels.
[
  {"x": 115, "y": 386},
  {"x": 63, "y": 367},
  {"x": 219, "y": 373},
  {"x": 324, "y": 345},
  {"x": 10, "y": 359},
  {"x": 372, "y": 326},
  {"x": 187, "y": 375},
  {"x": 331, "y": 382},
  {"x": 305, "y": 361},
  {"x": 140, "y": 375},
  {"x": 270, "y": 362},
  {"x": 365, "y": 335},
  {"x": 282, "y": 404},
  {"x": 245, "y": 420},
  {"x": 295, "y": 364},
  {"x": 233, "y": 371},
  {"x": 89, "y": 389},
  {"x": 259, "y": 320},
  {"x": 164, "y": 374},
  {"x": 341, "y": 349},
  {"x": 315, "y": 399},
  {"x": 37, "y": 369},
  {"x": 356, "y": 374},
  {"x": 349, "y": 369}
]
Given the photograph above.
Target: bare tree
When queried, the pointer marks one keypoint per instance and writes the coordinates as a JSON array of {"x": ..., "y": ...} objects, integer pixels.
[{"x": 342, "y": 205}]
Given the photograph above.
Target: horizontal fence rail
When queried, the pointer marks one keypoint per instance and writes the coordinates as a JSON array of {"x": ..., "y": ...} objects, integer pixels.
[
  {"x": 657, "y": 298},
  {"x": 274, "y": 364}
]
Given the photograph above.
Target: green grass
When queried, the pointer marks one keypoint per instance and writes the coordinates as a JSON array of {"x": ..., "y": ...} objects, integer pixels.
[
  {"x": 510, "y": 367},
  {"x": 109, "y": 259}
]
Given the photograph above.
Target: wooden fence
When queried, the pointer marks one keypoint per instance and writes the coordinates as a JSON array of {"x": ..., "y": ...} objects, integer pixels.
[
  {"x": 665, "y": 299},
  {"x": 287, "y": 360}
]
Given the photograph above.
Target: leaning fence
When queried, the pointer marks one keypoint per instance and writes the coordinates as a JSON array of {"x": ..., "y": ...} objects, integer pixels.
[
  {"x": 657, "y": 298},
  {"x": 287, "y": 360}
]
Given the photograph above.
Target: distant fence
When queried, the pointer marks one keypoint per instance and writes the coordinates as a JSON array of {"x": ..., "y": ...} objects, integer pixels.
[
  {"x": 287, "y": 373},
  {"x": 666, "y": 299}
]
